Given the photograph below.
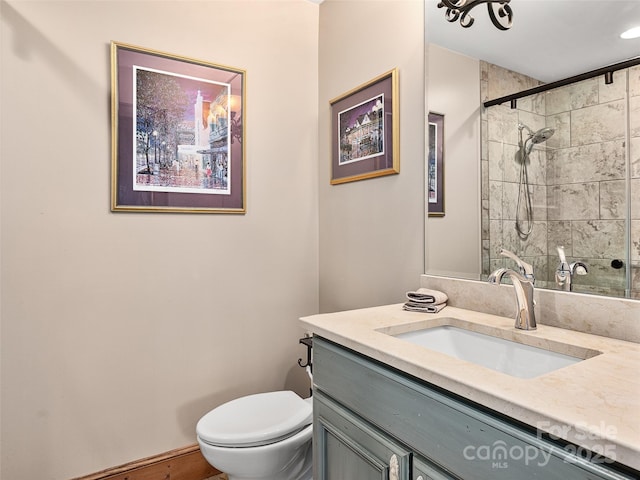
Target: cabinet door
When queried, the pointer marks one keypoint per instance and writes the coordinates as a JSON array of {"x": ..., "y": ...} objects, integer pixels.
[{"x": 348, "y": 448}]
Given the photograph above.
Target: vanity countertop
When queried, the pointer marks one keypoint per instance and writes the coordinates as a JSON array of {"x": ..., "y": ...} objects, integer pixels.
[{"x": 594, "y": 403}]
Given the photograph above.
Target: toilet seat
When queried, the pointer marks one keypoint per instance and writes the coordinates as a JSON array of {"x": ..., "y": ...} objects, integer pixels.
[{"x": 255, "y": 420}]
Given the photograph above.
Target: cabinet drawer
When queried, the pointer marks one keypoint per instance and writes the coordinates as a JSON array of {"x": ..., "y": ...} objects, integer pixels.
[{"x": 454, "y": 435}]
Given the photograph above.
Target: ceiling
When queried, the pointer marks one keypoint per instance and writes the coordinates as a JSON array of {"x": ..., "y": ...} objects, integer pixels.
[{"x": 550, "y": 39}]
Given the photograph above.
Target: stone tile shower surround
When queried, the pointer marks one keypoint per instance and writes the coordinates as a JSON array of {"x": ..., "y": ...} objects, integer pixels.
[{"x": 577, "y": 177}]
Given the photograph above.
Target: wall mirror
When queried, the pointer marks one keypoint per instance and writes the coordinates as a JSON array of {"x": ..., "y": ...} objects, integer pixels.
[{"x": 559, "y": 168}]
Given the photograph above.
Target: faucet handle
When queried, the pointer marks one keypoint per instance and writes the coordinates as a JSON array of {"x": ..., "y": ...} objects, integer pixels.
[
  {"x": 579, "y": 268},
  {"x": 526, "y": 269}
]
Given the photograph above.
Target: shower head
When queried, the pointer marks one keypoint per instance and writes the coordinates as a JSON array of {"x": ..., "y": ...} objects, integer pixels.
[{"x": 540, "y": 136}]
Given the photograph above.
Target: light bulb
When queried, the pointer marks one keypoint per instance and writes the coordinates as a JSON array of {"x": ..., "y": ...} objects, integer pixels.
[{"x": 631, "y": 33}]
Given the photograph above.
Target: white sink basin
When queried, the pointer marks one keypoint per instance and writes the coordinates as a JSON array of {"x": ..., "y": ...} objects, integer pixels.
[{"x": 503, "y": 355}]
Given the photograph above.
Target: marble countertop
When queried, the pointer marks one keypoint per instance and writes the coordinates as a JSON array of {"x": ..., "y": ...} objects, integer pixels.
[{"x": 594, "y": 403}]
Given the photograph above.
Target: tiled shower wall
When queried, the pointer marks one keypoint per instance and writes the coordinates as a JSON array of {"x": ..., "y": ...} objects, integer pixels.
[
  {"x": 577, "y": 177},
  {"x": 634, "y": 127},
  {"x": 500, "y": 170}
]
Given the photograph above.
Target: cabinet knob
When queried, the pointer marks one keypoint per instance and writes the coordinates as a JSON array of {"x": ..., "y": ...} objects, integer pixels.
[{"x": 394, "y": 468}]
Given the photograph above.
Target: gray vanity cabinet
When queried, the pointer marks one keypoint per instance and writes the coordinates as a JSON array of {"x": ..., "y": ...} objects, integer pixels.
[
  {"x": 347, "y": 447},
  {"x": 374, "y": 422},
  {"x": 353, "y": 449}
]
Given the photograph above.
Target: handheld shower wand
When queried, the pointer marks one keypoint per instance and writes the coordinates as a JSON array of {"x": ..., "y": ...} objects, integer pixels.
[{"x": 525, "y": 227}]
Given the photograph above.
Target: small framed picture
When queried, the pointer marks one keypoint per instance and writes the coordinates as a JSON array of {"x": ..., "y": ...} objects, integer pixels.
[
  {"x": 178, "y": 133},
  {"x": 435, "y": 165},
  {"x": 365, "y": 131}
]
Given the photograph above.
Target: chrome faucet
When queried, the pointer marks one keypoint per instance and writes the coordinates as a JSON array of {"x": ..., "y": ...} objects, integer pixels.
[
  {"x": 525, "y": 316},
  {"x": 523, "y": 286},
  {"x": 565, "y": 272},
  {"x": 526, "y": 269}
]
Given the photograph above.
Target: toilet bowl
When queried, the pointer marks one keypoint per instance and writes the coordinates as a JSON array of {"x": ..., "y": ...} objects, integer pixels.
[{"x": 266, "y": 436}]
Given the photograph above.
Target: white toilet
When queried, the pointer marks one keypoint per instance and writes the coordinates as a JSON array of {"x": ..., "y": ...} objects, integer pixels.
[{"x": 266, "y": 436}]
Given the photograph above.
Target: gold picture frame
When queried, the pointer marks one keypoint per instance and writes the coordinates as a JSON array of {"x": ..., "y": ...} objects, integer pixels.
[
  {"x": 435, "y": 165},
  {"x": 178, "y": 133},
  {"x": 365, "y": 131}
]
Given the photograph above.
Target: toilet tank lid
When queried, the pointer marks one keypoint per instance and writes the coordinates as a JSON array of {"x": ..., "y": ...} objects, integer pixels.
[{"x": 255, "y": 419}]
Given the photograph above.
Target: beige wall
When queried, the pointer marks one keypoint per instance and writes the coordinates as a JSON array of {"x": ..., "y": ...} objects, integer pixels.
[
  {"x": 120, "y": 330},
  {"x": 371, "y": 231},
  {"x": 453, "y": 241}
]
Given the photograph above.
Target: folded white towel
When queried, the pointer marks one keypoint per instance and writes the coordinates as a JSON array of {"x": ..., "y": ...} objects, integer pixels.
[
  {"x": 423, "y": 307},
  {"x": 425, "y": 295}
]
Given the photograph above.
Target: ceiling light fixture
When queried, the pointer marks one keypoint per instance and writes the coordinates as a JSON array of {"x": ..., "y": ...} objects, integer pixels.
[
  {"x": 631, "y": 33},
  {"x": 461, "y": 8}
]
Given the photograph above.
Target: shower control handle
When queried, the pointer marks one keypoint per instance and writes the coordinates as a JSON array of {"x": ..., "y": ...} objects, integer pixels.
[{"x": 617, "y": 263}]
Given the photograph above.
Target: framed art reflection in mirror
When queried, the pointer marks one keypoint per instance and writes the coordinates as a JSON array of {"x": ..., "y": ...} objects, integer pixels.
[{"x": 435, "y": 166}]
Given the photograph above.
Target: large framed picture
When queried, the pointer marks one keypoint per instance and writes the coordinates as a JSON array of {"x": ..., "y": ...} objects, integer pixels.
[
  {"x": 435, "y": 166},
  {"x": 178, "y": 133},
  {"x": 365, "y": 131}
]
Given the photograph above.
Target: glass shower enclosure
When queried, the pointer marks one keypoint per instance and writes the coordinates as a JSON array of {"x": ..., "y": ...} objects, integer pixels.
[{"x": 561, "y": 168}]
